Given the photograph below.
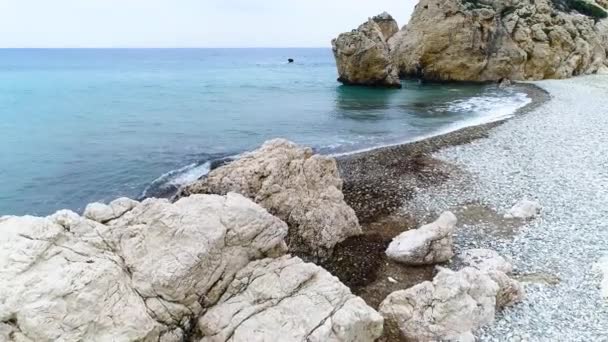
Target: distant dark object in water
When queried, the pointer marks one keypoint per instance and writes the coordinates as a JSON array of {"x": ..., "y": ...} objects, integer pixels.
[{"x": 290, "y": 60}]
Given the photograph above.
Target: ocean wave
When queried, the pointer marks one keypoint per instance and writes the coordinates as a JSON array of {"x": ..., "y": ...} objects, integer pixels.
[{"x": 170, "y": 182}]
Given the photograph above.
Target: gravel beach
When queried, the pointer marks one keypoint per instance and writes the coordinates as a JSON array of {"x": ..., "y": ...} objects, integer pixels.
[{"x": 556, "y": 154}]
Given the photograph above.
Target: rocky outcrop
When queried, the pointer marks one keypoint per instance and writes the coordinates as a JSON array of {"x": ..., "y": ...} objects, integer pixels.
[
  {"x": 363, "y": 56},
  {"x": 429, "y": 244},
  {"x": 489, "y": 40},
  {"x": 524, "y": 209},
  {"x": 455, "y": 303},
  {"x": 141, "y": 276},
  {"x": 288, "y": 300},
  {"x": 498, "y": 268},
  {"x": 102, "y": 213},
  {"x": 297, "y": 186},
  {"x": 447, "y": 309}
]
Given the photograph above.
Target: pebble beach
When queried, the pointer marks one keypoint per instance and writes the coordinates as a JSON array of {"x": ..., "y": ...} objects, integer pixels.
[{"x": 554, "y": 154}]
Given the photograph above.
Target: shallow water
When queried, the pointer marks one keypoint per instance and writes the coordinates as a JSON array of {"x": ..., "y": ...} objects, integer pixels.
[{"x": 91, "y": 125}]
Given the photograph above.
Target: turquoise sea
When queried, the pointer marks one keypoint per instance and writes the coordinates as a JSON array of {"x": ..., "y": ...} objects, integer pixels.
[{"x": 91, "y": 125}]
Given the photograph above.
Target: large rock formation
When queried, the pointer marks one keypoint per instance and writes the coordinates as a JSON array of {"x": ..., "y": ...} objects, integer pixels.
[
  {"x": 363, "y": 56},
  {"x": 148, "y": 271},
  {"x": 288, "y": 300},
  {"x": 447, "y": 309},
  {"x": 140, "y": 277},
  {"x": 292, "y": 183},
  {"x": 488, "y": 40},
  {"x": 429, "y": 244}
]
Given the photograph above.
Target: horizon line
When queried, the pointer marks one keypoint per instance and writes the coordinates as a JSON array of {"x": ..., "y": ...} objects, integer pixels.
[{"x": 160, "y": 47}]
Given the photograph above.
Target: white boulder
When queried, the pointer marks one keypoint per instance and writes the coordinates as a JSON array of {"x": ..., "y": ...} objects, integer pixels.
[
  {"x": 288, "y": 300},
  {"x": 105, "y": 212},
  {"x": 524, "y": 209},
  {"x": 448, "y": 308},
  {"x": 429, "y": 244},
  {"x": 142, "y": 276},
  {"x": 301, "y": 188}
]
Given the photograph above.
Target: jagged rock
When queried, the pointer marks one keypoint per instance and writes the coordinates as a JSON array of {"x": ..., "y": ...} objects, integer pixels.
[
  {"x": 103, "y": 213},
  {"x": 448, "y": 308},
  {"x": 486, "y": 260},
  {"x": 140, "y": 277},
  {"x": 388, "y": 25},
  {"x": 363, "y": 56},
  {"x": 510, "y": 290},
  {"x": 287, "y": 300},
  {"x": 524, "y": 209},
  {"x": 490, "y": 40},
  {"x": 303, "y": 189},
  {"x": 497, "y": 267},
  {"x": 429, "y": 244}
]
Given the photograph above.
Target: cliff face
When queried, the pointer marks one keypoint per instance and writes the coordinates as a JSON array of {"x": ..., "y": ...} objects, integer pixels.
[
  {"x": 466, "y": 40},
  {"x": 489, "y": 40}
]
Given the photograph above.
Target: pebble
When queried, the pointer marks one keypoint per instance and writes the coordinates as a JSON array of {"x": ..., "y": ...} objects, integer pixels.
[{"x": 556, "y": 153}]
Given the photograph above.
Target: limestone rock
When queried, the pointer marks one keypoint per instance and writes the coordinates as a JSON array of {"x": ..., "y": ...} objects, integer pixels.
[
  {"x": 429, "y": 244},
  {"x": 388, "y": 25},
  {"x": 290, "y": 182},
  {"x": 524, "y": 209},
  {"x": 486, "y": 260},
  {"x": 510, "y": 291},
  {"x": 490, "y": 40},
  {"x": 287, "y": 300},
  {"x": 363, "y": 55},
  {"x": 140, "y": 277},
  {"x": 448, "y": 308},
  {"x": 103, "y": 213}
]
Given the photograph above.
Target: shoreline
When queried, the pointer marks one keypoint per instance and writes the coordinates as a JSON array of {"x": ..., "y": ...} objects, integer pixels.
[
  {"x": 550, "y": 152},
  {"x": 362, "y": 166},
  {"x": 377, "y": 184}
]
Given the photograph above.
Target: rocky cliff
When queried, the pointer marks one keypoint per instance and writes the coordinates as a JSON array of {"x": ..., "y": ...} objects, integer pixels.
[
  {"x": 363, "y": 55},
  {"x": 490, "y": 40}
]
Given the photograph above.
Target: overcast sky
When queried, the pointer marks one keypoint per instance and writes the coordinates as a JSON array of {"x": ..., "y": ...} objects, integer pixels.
[{"x": 186, "y": 23}]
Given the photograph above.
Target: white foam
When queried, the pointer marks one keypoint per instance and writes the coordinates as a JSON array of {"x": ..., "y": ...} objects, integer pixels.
[
  {"x": 179, "y": 177},
  {"x": 484, "y": 109}
]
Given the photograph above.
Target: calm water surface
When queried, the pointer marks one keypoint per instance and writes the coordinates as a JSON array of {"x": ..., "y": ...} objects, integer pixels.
[{"x": 91, "y": 125}]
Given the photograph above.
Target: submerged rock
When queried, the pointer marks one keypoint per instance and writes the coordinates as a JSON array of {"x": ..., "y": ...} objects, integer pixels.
[
  {"x": 140, "y": 277},
  {"x": 292, "y": 183},
  {"x": 287, "y": 300},
  {"x": 429, "y": 244},
  {"x": 524, "y": 209},
  {"x": 363, "y": 55},
  {"x": 448, "y": 308}
]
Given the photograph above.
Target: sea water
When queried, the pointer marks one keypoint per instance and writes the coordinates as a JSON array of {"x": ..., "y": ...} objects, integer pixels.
[{"x": 83, "y": 125}]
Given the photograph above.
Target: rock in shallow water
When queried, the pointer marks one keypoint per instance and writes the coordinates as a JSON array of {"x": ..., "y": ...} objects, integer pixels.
[
  {"x": 303, "y": 189},
  {"x": 287, "y": 300},
  {"x": 363, "y": 55},
  {"x": 429, "y": 244},
  {"x": 142, "y": 276}
]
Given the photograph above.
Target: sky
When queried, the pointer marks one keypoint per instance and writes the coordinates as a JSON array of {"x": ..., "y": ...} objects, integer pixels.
[{"x": 186, "y": 23}]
